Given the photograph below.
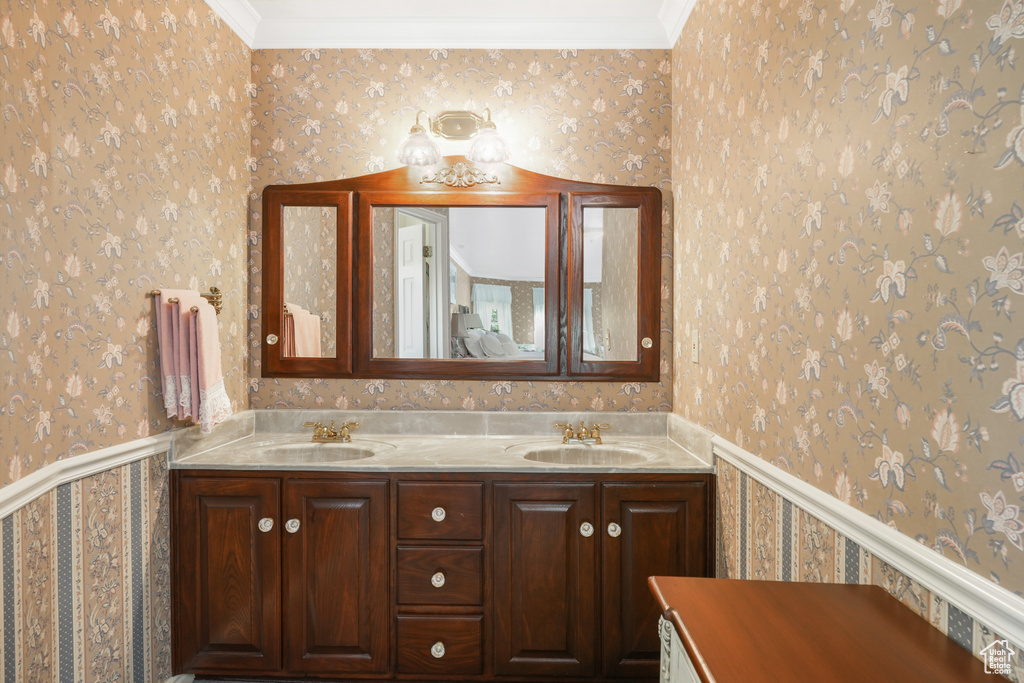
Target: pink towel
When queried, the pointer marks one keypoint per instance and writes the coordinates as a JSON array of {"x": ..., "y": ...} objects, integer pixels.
[
  {"x": 167, "y": 323},
  {"x": 193, "y": 359},
  {"x": 305, "y": 332},
  {"x": 214, "y": 404},
  {"x": 307, "y": 335},
  {"x": 183, "y": 357}
]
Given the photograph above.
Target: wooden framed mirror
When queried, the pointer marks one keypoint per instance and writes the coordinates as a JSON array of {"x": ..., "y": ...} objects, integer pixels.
[{"x": 462, "y": 273}]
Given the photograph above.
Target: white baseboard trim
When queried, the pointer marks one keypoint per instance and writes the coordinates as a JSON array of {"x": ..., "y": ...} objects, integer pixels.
[
  {"x": 989, "y": 603},
  {"x": 181, "y": 678},
  {"x": 40, "y": 482}
]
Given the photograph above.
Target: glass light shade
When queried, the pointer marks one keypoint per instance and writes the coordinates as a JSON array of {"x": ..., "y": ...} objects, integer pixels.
[
  {"x": 488, "y": 147},
  {"x": 418, "y": 149}
]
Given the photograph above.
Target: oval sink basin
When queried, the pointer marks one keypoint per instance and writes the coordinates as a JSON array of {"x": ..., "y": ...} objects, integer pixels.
[
  {"x": 605, "y": 455},
  {"x": 318, "y": 452}
]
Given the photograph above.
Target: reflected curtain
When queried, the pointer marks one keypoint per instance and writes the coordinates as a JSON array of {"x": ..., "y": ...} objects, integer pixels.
[
  {"x": 538, "y": 318},
  {"x": 494, "y": 305}
]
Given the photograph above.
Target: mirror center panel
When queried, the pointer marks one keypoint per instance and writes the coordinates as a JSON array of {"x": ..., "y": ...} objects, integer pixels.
[{"x": 459, "y": 282}]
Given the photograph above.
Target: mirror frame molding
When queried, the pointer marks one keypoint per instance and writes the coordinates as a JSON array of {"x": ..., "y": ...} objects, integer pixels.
[{"x": 460, "y": 184}]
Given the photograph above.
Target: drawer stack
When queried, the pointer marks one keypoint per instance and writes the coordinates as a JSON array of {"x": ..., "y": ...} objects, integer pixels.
[{"x": 440, "y": 578}]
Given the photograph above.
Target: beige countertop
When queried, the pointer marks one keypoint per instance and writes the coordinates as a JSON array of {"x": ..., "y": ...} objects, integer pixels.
[{"x": 426, "y": 453}]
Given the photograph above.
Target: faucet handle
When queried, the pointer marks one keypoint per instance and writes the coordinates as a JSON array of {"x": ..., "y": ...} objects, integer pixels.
[
  {"x": 567, "y": 432},
  {"x": 343, "y": 433},
  {"x": 595, "y": 432},
  {"x": 318, "y": 430}
]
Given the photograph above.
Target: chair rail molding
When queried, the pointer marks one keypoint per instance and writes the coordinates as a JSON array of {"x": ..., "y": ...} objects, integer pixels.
[
  {"x": 42, "y": 481},
  {"x": 991, "y": 604}
]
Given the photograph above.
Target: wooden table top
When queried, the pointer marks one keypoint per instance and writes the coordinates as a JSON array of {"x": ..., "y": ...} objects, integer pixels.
[{"x": 741, "y": 631}]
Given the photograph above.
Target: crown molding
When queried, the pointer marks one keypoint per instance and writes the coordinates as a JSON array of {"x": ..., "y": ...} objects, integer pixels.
[
  {"x": 569, "y": 24},
  {"x": 673, "y": 16},
  {"x": 240, "y": 15}
]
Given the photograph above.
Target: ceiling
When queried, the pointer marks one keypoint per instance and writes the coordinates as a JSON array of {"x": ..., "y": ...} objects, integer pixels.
[
  {"x": 507, "y": 243},
  {"x": 414, "y": 24}
]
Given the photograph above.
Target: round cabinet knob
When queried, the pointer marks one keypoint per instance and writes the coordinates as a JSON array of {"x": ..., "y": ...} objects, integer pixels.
[
  {"x": 438, "y": 514},
  {"x": 266, "y": 524},
  {"x": 614, "y": 530},
  {"x": 437, "y": 580},
  {"x": 437, "y": 650},
  {"x": 646, "y": 342},
  {"x": 291, "y": 526},
  {"x": 271, "y": 339},
  {"x": 586, "y": 529}
]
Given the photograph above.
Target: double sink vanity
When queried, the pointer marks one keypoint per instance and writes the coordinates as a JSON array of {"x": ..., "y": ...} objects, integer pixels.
[
  {"x": 443, "y": 545},
  {"x": 432, "y": 546}
]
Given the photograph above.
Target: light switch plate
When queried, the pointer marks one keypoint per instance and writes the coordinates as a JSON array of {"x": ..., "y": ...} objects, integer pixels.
[{"x": 694, "y": 346}]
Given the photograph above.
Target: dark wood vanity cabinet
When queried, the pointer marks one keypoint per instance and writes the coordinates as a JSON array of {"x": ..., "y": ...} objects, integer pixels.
[
  {"x": 226, "y": 584},
  {"x": 649, "y": 529},
  {"x": 336, "y": 586},
  {"x": 553, "y": 541},
  {"x": 427, "y": 576},
  {"x": 545, "y": 571},
  {"x": 280, "y": 575}
]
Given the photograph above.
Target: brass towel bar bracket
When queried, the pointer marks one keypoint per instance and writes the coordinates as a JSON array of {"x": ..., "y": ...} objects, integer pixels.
[{"x": 214, "y": 296}]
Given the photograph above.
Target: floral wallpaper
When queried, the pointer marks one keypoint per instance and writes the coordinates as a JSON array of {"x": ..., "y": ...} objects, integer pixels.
[
  {"x": 619, "y": 272},
  {"x": 594, "y": 115},
  {"x": 849, "y": 247},
  {"x": 122, "y": 168},
  {"x": 383, "y": 282}
]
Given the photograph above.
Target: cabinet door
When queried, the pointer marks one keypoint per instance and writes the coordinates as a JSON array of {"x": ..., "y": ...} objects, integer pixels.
[
  {"x": 544, "y": 579},
  {"x": 227, "y": 574},
  {"x": 661, "y": 531},
  {"x": 307, "y": 282},
  {"x": 614, "y": 290},
  {"x": 336, "y": 573}
]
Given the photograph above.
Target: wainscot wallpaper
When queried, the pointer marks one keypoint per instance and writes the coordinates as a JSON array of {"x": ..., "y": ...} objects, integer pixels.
[
  {"x": 593, "y": 115},
  {"x": 849, "y": 193},
  {"x": 85, "y": 580},
  {"x": 766, "y": 537},
  {"x": 123, "y": 141}
]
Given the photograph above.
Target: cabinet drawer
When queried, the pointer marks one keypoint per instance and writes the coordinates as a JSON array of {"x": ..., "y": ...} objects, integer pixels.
[
  {"x": 440, "y": 645},
  {"x": 440, "y": 576},
  {"x": 429, "y": 511}
]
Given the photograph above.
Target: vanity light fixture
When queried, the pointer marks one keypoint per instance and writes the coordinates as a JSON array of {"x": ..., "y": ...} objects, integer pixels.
[
  {"x": 487, "y": 146},
  {"x": 418, "y": 149}
]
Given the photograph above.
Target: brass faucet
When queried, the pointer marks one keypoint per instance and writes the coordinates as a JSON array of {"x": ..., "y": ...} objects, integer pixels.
[
  {"x": 327, "y": 433},
  {"x": 583, "y": 435}
]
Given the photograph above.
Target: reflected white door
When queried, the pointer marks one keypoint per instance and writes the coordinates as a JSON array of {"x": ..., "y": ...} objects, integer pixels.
[{"x": 411, "y": 279}]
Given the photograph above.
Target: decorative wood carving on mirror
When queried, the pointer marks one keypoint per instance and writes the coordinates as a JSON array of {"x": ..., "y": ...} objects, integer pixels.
[{"x": 461, "y": 272}]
